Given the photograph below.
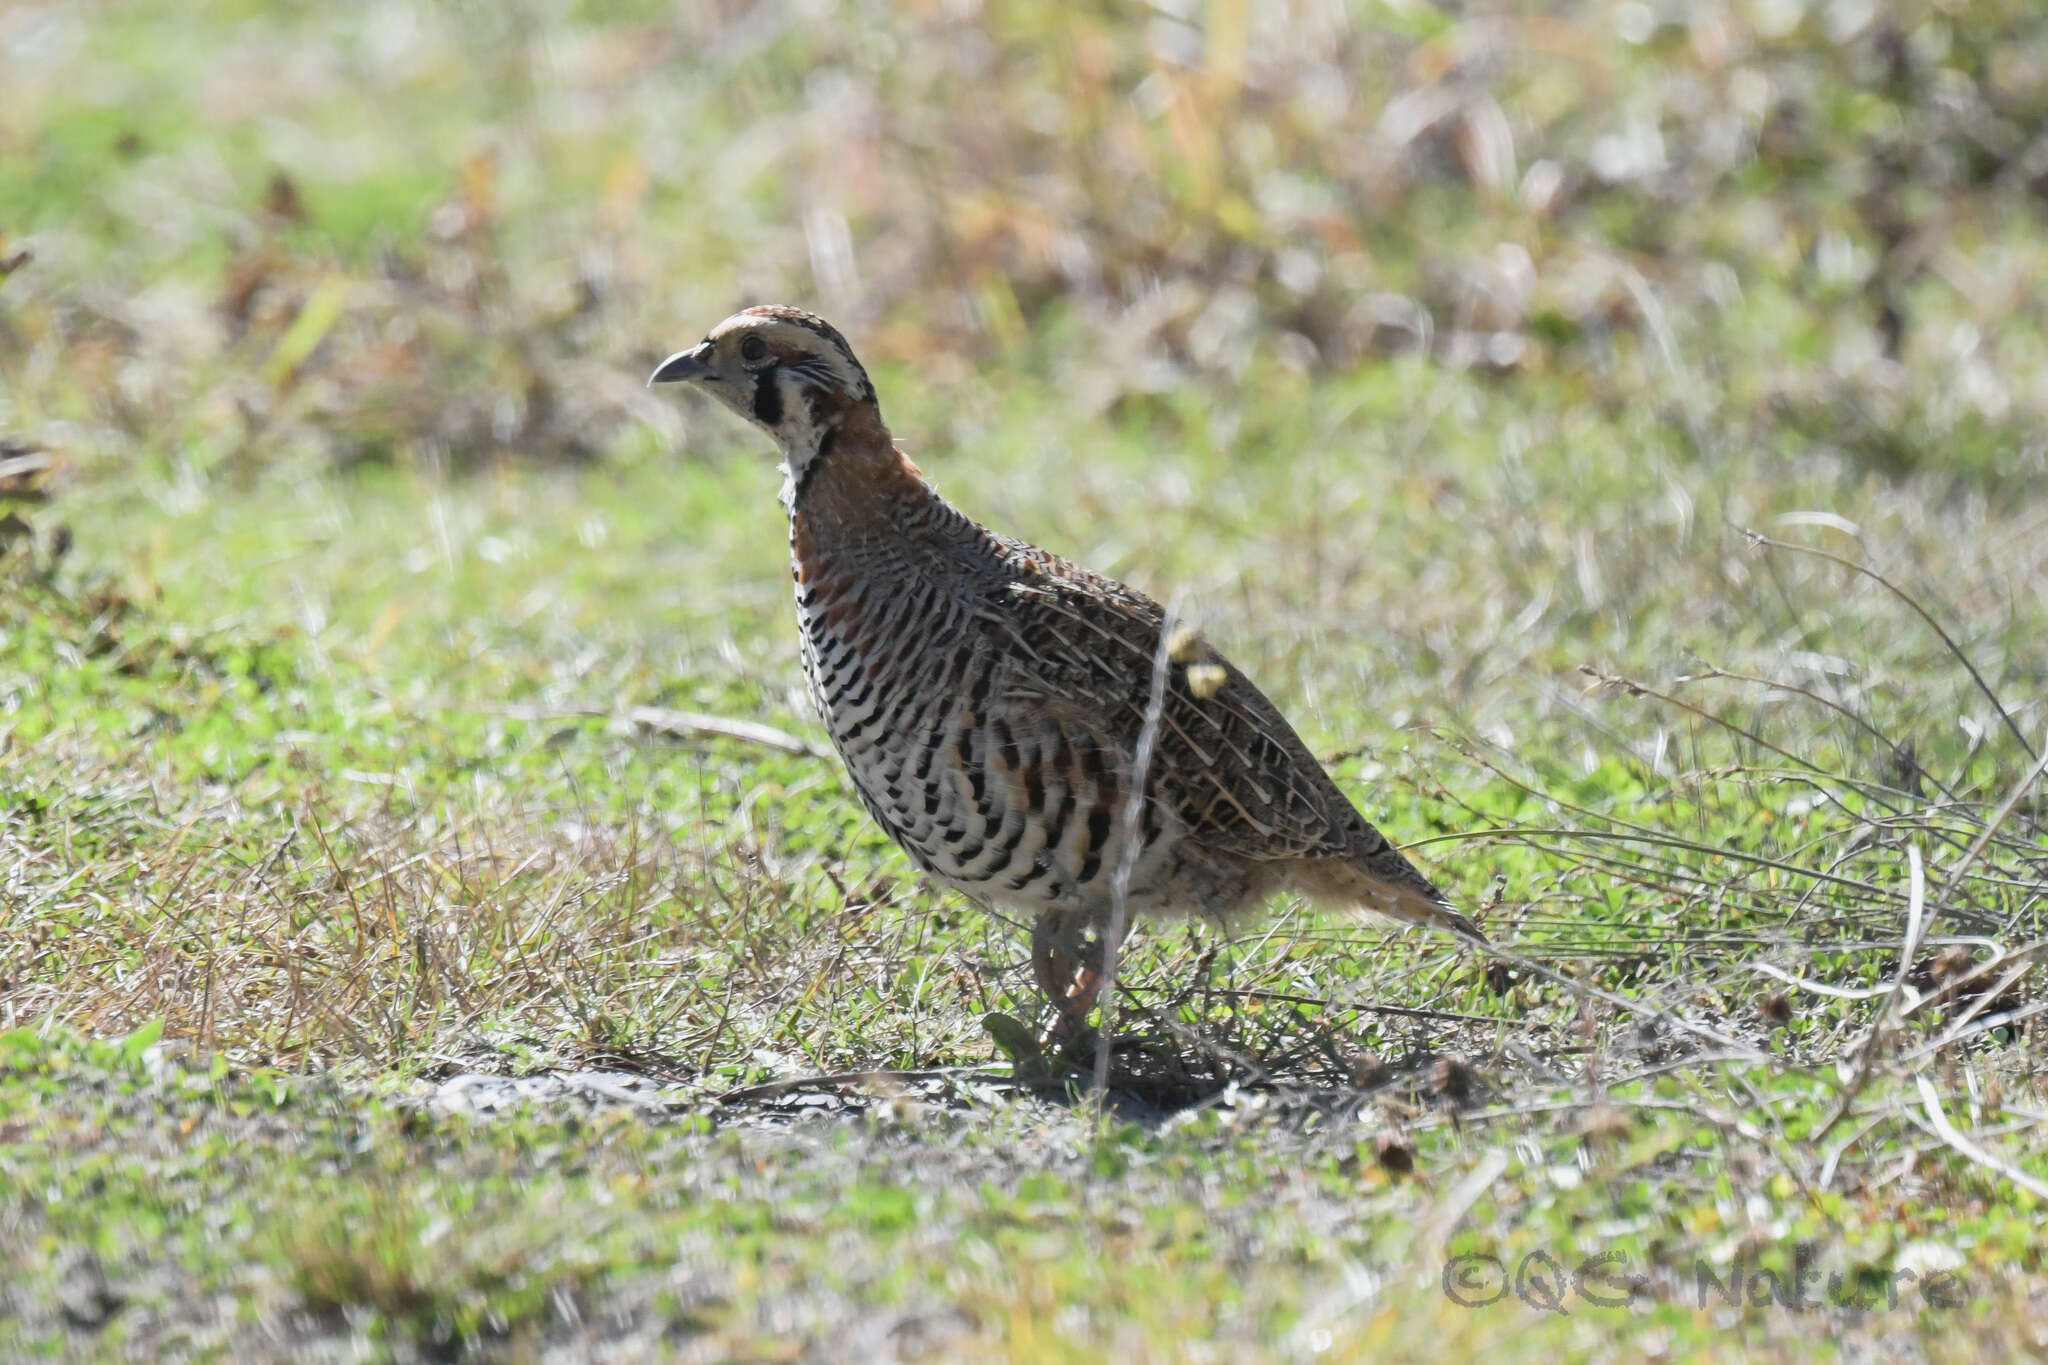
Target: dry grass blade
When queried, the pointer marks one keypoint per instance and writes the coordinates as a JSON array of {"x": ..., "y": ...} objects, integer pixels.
[
  {"x": 1948, "y": 641},
  {"x": 1997, "y": 820},
  {"x": 1131, "y": 818},
  {"x": 1444, "y": 1216},
  {"x": 697, "y": 723},
  {"x": 668, "y": 721},
  {"x": 1938, "y": 1120},
  {"x": 1866, "y": 1053}
]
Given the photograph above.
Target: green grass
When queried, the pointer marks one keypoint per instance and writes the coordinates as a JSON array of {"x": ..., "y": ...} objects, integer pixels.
[
  {"x": 320, "y": 783},
  {"x": 361, "y": 1225}
]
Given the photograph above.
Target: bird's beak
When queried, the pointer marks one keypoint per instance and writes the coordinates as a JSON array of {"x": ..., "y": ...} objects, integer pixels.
[{"x": 682, "y": 365}]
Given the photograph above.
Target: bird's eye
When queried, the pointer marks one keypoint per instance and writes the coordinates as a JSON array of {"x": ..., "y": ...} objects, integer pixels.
[{"x": 753, "y": 348}]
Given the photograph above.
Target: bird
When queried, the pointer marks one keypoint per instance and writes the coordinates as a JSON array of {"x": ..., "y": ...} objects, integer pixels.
[{"x": 1039, "y": 737}]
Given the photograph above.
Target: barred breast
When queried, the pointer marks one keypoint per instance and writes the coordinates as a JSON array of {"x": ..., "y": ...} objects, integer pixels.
[{"x": 910, "y": 663}]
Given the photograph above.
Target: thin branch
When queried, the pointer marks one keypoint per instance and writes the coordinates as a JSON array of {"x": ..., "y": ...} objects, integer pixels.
[{"x": 663, "y": 720}]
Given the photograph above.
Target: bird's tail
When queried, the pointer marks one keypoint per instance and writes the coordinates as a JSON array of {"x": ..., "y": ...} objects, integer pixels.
[{"x": 1397, "y": 890}]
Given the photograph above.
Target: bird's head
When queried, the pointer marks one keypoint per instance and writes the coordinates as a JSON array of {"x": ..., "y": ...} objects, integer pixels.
[{"x": 787, "y": 371}]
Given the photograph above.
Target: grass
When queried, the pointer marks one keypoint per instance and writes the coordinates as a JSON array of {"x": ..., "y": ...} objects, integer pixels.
[{"x": 1652, "y": 543}]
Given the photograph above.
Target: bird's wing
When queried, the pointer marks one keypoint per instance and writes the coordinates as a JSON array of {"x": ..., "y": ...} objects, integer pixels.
[{"x": 1225, "y": 760}]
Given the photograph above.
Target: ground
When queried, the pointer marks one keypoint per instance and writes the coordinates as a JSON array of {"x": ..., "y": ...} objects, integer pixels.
[{"x": 435, "y": 926}]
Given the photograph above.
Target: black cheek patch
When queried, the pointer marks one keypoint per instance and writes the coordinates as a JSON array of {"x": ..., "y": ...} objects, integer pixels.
[{"x": 767, "y": 398}]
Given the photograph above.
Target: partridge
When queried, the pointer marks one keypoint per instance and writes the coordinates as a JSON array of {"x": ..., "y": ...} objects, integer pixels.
[{"x": 990, "y": 699}]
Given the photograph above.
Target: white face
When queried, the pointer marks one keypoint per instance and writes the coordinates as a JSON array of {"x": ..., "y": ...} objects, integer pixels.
[{"x": 787, "y": 372}]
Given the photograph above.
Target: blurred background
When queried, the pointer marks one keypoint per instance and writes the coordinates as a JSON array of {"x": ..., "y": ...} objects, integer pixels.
[{"x": 458, "y": 233}]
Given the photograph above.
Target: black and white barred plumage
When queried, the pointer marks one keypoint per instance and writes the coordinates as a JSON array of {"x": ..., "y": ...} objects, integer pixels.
[{"x": 987, "y": 696}]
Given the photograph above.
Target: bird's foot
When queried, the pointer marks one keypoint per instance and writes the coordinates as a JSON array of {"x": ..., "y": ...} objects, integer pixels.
[{"x": 1069, "y": 968}]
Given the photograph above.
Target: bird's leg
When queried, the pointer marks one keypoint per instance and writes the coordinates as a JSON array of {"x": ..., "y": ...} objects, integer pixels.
[
  {"x": 1073, "y": 1010},
  {"x": 1052, "y": 948},
  {"x": 1070, "y": 976}
]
